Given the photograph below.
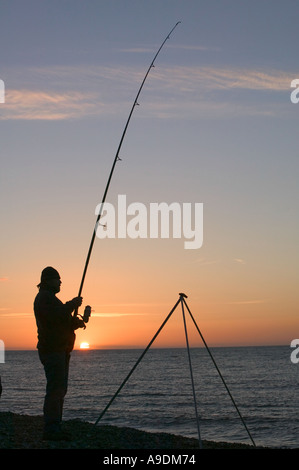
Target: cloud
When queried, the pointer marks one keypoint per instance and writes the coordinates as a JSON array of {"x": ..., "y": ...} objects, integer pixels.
[
  {"x": 177, "y": 47},
  {"x": 196, "y": 78},
  {"x": 247, "y": 302},
  {"x": 138, "y": 50},
  {"x": 115, "y": 315},
  {"x": 207, "y": 76},
  {"x": 189, "y": 47},
  {"x": 206, "y": 262},
  {"x": 3, "y": 279},
  {"x": 239, "y": 260},
  {"x": 238, "y": 78},
  {"x": 15, "y": 314},
  {"x": 43, "y": 105},
  {"x": 62, "y": 92}
]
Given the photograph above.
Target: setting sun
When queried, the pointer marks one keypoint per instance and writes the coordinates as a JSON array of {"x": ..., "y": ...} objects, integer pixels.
[{"x": 84, "y": 345}]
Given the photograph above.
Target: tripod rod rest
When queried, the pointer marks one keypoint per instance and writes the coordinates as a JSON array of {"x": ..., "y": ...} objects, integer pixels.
[{"x": 183, "y": 295}]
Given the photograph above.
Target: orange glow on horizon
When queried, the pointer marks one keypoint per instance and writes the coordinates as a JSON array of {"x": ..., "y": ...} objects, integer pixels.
[{"x": 130, "y": 306}]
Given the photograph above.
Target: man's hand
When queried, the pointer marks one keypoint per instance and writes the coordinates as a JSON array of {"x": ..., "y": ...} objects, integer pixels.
[
  {"x": 77, "y": 301},
  {"x": 78, "y": 323}
]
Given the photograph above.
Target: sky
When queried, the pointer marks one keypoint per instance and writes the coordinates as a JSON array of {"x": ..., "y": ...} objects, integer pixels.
[{"x": 215, "y": 125}]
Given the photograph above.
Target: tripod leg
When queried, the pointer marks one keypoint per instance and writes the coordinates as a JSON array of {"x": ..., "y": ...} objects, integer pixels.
[
  {"x": 220, "y": 375},
  {"x": 192, "y": 381},
  {"x": 139, "y": 360}
]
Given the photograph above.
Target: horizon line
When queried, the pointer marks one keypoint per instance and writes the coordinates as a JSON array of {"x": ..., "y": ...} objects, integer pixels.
[{"x": 114, "y": 348}]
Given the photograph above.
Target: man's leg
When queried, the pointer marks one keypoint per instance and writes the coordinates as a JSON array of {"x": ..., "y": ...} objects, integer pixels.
[
  {"x": 56, "y": 370},
  {"x": 66, "y": 359}
]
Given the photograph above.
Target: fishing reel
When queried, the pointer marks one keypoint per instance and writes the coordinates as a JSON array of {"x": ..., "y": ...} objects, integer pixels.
[{"x": 87, "y": 313}]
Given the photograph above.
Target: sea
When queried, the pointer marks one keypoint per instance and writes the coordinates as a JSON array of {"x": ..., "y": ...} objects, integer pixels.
[{"x": 261, "y": 396}]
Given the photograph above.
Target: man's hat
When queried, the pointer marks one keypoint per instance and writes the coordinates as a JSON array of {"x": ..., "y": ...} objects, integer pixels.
[{"x": 49, "y": 273}]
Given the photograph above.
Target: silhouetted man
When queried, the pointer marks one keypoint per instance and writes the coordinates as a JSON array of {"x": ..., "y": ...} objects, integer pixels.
[{"x": 56, "y": 338}]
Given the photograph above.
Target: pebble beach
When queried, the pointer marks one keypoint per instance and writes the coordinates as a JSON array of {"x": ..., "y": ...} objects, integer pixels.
[{"x": 25, "y": 432}]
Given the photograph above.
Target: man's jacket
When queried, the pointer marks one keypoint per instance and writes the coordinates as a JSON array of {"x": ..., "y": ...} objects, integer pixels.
[{"x": 55, "y": 323}]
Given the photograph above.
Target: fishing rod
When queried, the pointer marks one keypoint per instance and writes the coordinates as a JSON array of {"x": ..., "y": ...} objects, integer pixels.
[{"x": 116, "y": 159}]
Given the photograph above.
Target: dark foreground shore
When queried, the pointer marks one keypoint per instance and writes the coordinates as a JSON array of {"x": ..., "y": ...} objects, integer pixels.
[{"x": 25, "y": 432}]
